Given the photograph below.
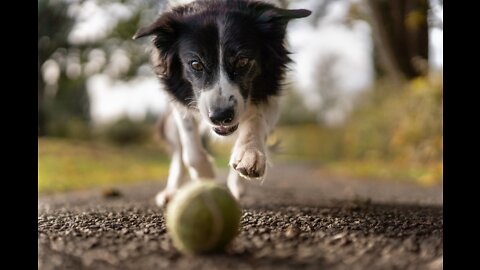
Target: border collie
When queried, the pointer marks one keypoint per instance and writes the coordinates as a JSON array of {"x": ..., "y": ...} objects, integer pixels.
[{"x": 223, "y": 63}]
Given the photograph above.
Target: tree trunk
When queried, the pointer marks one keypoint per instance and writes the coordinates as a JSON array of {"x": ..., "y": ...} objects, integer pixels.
[
  {"x": 41, "y": 110},
  {"x": 401, "y": 36}
]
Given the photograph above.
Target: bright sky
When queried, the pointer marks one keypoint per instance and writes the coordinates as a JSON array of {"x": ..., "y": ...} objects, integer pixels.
[
  {"x": 353, "y": 71},
  {"x": 330, "y": 50},
  {"x": 113, "y": 99}
]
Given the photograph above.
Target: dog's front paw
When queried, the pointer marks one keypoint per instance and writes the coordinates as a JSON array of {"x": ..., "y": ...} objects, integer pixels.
[
  {"x": 250, "y": 163},
  {"x": 164, "y": 197}
]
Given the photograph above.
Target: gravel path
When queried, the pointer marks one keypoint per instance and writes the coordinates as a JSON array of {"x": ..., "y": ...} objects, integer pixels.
[{"x": 310, "y": 222}]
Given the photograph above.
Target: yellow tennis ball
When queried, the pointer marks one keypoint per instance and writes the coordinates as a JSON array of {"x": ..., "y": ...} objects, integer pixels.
[{"x": 203, "y": 217}]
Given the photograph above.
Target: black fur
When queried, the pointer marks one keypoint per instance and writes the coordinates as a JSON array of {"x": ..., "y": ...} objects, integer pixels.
[{"x": 193, "y": 32}]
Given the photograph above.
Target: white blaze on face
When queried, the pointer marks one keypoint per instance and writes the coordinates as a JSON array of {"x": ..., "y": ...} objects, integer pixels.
[{"x": 222, "y": 95}]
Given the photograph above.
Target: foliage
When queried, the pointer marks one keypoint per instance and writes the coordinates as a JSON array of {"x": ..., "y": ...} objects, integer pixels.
[
  {"x": 127, "y": 132},
  {"x": 67, "y": 97},
  {"x": 68, "y": 114},
  {"x": 293, "y": 110},
  {"x": 53, "y": 27},
  {"x": 404, "y": 125},
  {"x": 395, "y": 132}
]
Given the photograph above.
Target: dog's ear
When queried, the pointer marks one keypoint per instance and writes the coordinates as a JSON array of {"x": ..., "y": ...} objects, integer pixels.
[
  {"x": 290, "y": 14},
  {"x": 269, "y": 13},
  {"x": 144, "y": 31},
  {"x": 164, "y": 26},
  {"x": 274, "y": 20},
  {"x": 166, "y": 32}
]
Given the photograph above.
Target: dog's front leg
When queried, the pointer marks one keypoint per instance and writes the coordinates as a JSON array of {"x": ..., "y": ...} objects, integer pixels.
[
  {"x": 169, "y": 131},
  {"x": 249, "y": 157},
  {"x": 194, "y": 155}
]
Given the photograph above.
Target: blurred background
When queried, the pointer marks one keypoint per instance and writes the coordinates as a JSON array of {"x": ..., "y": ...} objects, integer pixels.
[{"x": 363, "y": 100}]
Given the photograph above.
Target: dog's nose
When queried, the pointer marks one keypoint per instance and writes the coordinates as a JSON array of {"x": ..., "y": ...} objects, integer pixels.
[{"x": 222, "y": 116}]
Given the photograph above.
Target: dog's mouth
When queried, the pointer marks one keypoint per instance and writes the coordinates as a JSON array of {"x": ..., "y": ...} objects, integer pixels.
[{"x": 225, "y": 131}]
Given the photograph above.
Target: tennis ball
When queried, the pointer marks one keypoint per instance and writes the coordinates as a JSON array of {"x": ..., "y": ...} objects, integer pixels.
[{"x": 203, "y": 217}]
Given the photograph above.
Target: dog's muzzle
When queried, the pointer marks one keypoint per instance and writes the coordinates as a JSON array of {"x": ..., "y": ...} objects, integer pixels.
[
  {"x": 225, "y": 131},
  {"x": 223, "y": 118}
]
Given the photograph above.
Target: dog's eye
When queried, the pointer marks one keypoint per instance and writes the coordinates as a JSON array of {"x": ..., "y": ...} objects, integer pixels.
[
  {"x": 197, "y": 65},
  {"x": 242, "y": 62}
]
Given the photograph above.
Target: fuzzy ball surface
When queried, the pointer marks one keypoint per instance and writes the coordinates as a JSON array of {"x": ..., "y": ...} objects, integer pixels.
[{"x": 203, "y": 217}]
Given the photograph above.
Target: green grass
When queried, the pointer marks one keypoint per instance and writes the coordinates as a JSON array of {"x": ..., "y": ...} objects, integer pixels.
[{"x": 67, "y": 165}]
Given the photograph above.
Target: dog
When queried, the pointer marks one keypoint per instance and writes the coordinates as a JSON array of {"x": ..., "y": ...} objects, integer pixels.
[{"x": 222, "y": 63}]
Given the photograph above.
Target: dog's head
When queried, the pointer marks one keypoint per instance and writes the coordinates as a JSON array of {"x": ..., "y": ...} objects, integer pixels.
[{"x": 216, "y": 56}]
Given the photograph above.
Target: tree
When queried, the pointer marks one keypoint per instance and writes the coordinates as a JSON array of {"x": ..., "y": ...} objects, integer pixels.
[
  {"x": 68, "y": 98},
  {"x": 53, "y": 27},
  {"x": 401, "y": 35}
]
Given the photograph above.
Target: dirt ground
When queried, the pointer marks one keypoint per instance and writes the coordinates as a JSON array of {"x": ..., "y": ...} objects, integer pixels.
[{"x": 299, "y": 218}]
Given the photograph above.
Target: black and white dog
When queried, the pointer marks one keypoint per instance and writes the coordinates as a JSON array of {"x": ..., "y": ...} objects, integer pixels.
[{"x": 223, "y": 63}]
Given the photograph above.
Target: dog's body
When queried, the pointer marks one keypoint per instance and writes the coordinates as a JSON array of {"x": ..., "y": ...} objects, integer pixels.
[{"x": 222, "y": 62}]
